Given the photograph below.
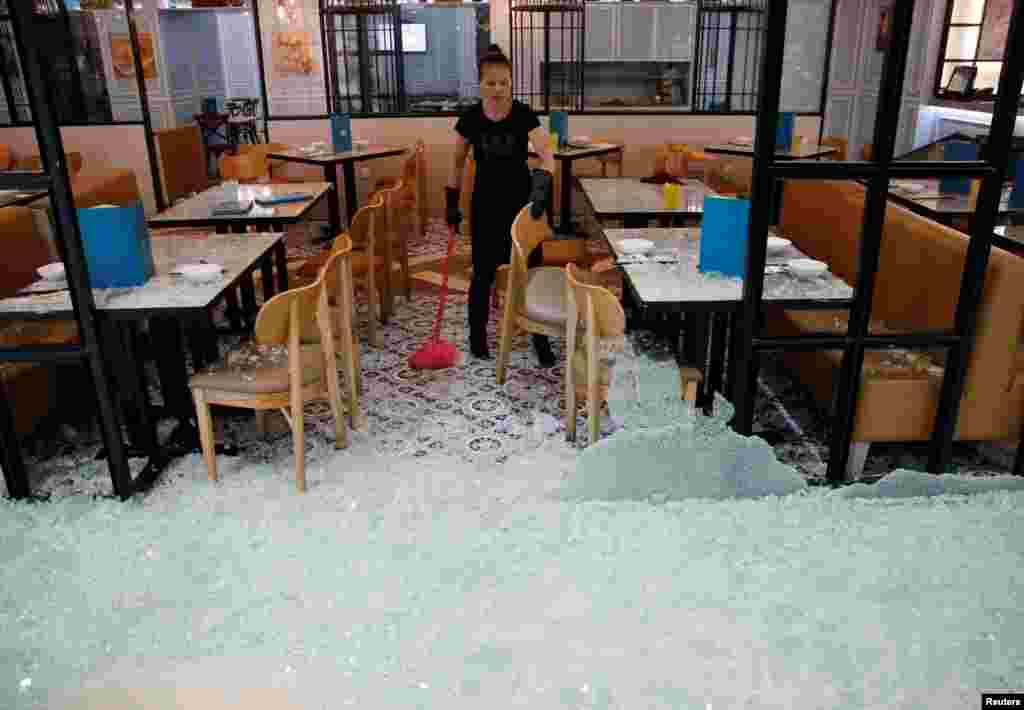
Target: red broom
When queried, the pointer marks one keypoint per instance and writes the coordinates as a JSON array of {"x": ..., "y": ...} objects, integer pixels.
[{"x": 437, "y": 353}]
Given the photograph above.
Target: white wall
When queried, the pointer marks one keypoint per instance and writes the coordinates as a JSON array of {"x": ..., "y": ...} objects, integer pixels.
[{"x": 856, "y": 72}]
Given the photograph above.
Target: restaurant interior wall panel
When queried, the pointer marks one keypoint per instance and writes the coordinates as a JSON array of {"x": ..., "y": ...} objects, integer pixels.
[
  {"x": 856, "y": 71},
  {"x": 102, "y": 148},
  {"x": 292, "y": 91},
  {"x": 238, "y": 56},
  {"x": 192, "y": 54}
]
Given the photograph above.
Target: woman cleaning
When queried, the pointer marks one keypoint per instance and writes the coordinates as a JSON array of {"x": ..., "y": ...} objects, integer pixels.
[{"x": 499, "y": 130}]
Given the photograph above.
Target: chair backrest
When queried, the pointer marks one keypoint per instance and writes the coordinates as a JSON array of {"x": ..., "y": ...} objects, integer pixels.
[
  {"x": 6, "y": 162},
  {"x": 362, "y": 233},
  {"x": 284, "y": 318},
  {"x": 182, "y": 161},
  {"x": 595, "y": 305},
  {"x": 839, "y": 143},
  {"x": 244, "y": 167},
  {"x": 394, "y": 197},
  {"x": 527, "y": 235}
]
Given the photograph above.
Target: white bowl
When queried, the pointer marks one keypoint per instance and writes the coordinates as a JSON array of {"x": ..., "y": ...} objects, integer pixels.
[
  {"x": 52, "y": 272},
  {"x": 200, "y": 273},
  {"x": 635, "y": 246},
  {"x": 777, "y": 244},
  {"x": 807, "y": 267}
]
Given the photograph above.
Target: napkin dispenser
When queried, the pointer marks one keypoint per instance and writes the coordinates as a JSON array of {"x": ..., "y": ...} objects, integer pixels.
[{"x": 723, "y": 235}]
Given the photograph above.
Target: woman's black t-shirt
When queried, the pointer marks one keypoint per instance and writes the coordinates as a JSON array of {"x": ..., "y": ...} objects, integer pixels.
[{"x": 500, "y": 148}]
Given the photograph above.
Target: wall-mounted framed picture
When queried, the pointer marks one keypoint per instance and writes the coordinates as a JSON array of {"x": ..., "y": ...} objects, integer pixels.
[{"x": 884, "y": 26}]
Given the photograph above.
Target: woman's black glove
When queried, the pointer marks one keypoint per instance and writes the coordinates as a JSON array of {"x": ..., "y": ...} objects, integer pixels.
[
  {"x": 540, "y": 191},
  {"x": 452, "y": 212}
]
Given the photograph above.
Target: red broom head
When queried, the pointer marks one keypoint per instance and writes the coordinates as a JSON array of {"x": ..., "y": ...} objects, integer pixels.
[{"x": 435, "y": 355}]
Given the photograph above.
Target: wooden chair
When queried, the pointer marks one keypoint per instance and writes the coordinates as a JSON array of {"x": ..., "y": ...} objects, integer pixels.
[
  {"x": 606, "y": 161},
  {"x": 271, "y": 377},
  {"x": 263, "y": 149},
  {"x": 368, "y": 261},
  {"x": 414, "y": 175},
  {"x": 183, "y": 169},
  {"x": 245, "y": 167},
  {"x": 867, "y": 152},
  {"x": 6, "y": 161},
  {"x": 839, "y": 143},
  {"x": 534, "y": 298},
  {"x": 603, "y": 319}
]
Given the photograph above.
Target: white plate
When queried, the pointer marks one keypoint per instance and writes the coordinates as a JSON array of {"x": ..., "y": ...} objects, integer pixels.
[
  {"x": 777, "y": 244},
  {"x": 635, "y": 246},
  {"x": 52, "y": 272},
  {"x": 743, "y": 141},
  {"x": 807, "y": 267},
  {"x": 200, "y": 273}
]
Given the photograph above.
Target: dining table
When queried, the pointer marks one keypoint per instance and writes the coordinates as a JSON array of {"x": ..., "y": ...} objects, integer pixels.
[
  {"x": 20, "y": 198},
  {"x": 565, "y": 157},
  {"x": 329, "y": 160},
  {"x": 169, "y": 308},
  {"x": 745, "y": 149},
  {"x": 926, "y": 198},
  {"x": 637, "y": 202},
  {"x": 668, "y": 279}
]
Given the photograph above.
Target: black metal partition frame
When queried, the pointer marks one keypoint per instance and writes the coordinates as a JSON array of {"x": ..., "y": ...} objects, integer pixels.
[
  {"x": 55, "y": 178},
  {"x": 547, "y": 41},
  {"x": 362, "y": 52},
  {"x": 992, "y": 171},
  {"x": 721, "y": 81}
]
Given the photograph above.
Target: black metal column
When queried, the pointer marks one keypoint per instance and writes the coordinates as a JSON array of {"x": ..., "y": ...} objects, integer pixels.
[
  {"x": 982, "y": 225},
  {"x": 263, "y": 74},
  {"x": 760, "y": 213},
  {"x": 51, "y": 151}
]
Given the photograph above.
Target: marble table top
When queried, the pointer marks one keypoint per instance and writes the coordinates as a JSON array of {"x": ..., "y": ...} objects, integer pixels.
[
  {"x": 805, "y": 152},
  {"x": 198, "y": 210},
  {"x": 329, "y": 157},
  {"x": 683, "y": 284},
  {"x": 930, "y": 198},
  {"x": 165, "y": 291},
  {"x": 630, "y": 196}
]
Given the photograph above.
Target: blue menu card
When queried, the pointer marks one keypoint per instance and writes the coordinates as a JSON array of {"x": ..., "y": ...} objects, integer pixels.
[
  {"x": 957, "y": 150},
  {"x": 341, "y": 132},
  {"x": 559, "y": 122},
  {"x": 1017, "y": 193},
  {"x": 784, "y": 132},
  {"x": 723, "y": 235},
  {"x": 117, "y": 246}
]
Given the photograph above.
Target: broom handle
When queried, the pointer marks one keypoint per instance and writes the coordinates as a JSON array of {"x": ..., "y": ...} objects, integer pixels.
[{"x": 444, "y": 284}]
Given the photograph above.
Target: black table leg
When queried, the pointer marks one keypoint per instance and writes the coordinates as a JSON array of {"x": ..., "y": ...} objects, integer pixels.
[
  {"x": 351, "y": 196},
  {"x": 168, "y": 348},
  {"x": 267, "y": 277},
  {"x": 234, "y": 310},
  {"x": 202, "y": 337},
  {"x": 249, "y": 306},
  {"x": 565, "y": 223},
  {"x": 127, "y": 370},
  {"x": 635, "y": 221},
  {"x": 730, "y": 375},
  {"x": 716, "y": 363},
  {"x": 15, "y": 473},
  {"x": 334, "y": 214},
  {"x": 281, "y": 263}
]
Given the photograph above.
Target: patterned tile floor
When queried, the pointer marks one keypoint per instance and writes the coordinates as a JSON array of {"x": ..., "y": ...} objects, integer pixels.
[{"x": 463, "y": 411}]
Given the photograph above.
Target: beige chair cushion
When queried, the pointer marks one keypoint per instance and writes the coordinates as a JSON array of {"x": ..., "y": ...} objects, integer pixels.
[
  {"x": 545, "y": 295},
  {"x": 259, "y": 369}
]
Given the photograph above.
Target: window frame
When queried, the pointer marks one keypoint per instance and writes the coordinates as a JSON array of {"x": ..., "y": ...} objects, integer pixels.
[{"x": 938, "y": 90}]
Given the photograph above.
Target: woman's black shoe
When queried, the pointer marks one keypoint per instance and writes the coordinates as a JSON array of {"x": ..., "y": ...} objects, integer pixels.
[{"x": 542, "y": 345}]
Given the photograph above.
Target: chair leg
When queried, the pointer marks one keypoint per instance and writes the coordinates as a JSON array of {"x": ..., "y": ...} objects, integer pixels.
[
  {"x": 593, "y": 388},
  {"x": 570, "y": 395},
  {"x": 334, "y": 393},
  {"x": 299, "y": 440},
  {"x": 353, "y": 373},
  {"x": 205, "y": 421},
  {"x": 405, "y": 271},
  {"x": 505, "y": 341},
  {"x": 261, "y": 421}
]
